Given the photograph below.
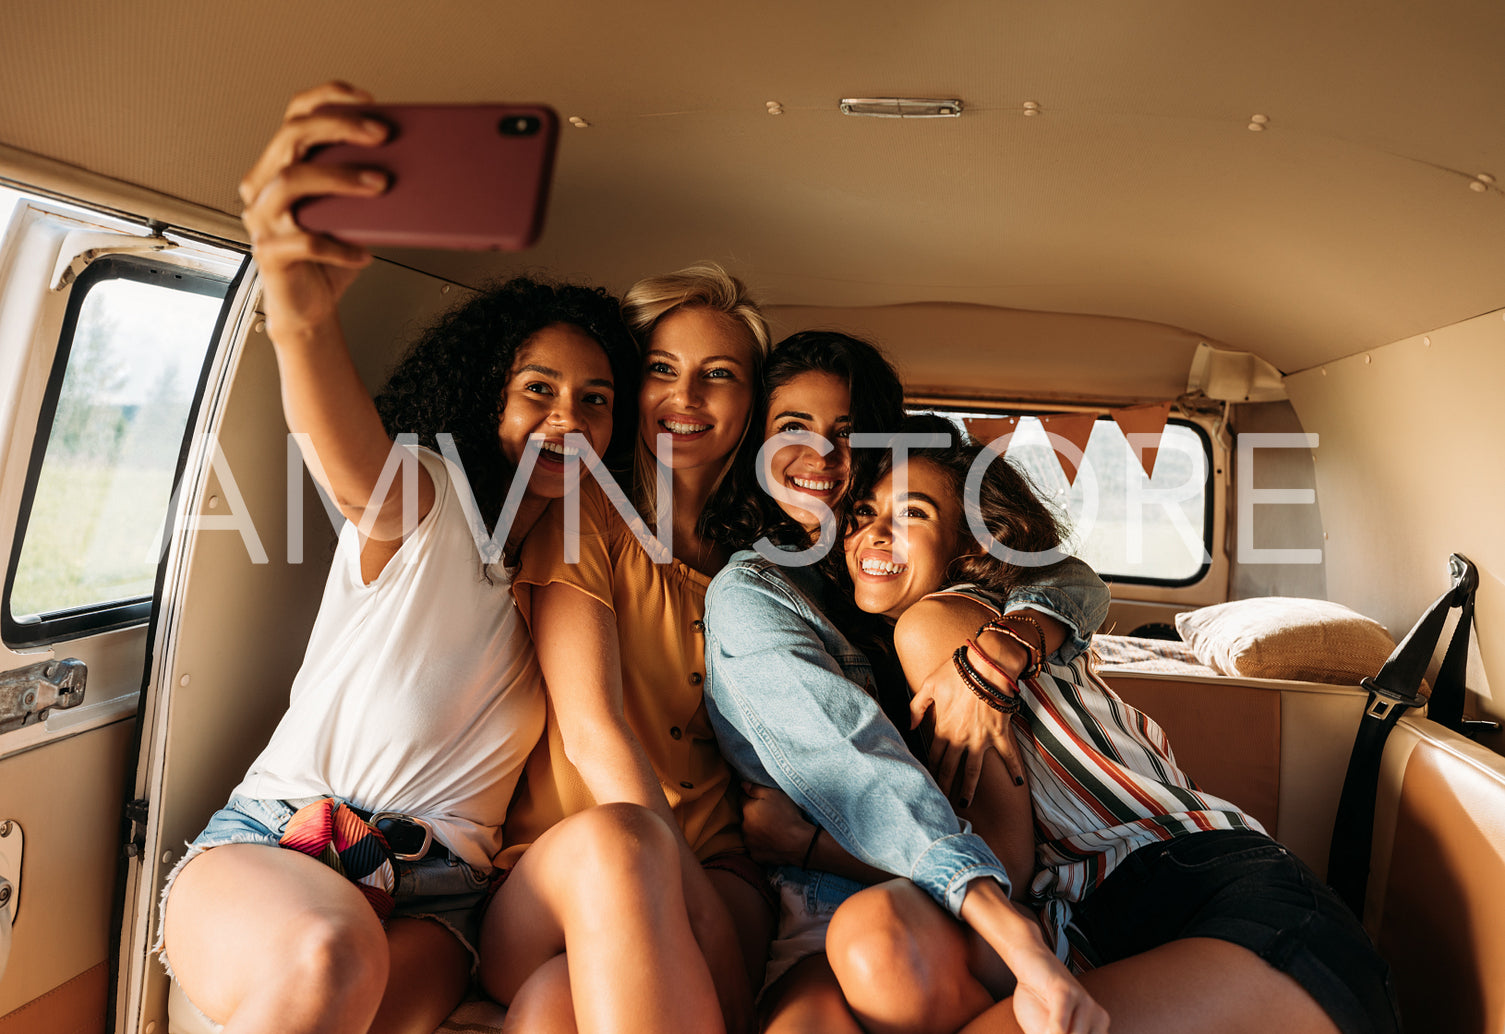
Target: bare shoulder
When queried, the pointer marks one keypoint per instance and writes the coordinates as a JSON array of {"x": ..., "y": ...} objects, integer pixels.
[{"x": 937, "y": 625}]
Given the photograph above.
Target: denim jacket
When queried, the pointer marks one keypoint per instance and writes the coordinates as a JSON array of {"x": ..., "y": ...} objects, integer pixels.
[{"x": 792, "y": 704}]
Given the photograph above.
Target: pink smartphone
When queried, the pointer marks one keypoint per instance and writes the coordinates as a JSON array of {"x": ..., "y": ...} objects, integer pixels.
[{"x": 464, "y": 176}]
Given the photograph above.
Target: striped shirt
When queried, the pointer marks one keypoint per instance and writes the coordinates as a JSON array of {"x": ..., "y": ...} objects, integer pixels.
[{"x": 1103, "y": 783}]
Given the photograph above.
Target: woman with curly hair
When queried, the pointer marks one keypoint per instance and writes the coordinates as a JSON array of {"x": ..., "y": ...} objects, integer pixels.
[{"x": 341, "y": 888}]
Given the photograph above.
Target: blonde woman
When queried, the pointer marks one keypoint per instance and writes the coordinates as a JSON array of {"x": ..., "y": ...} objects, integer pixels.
[{"x": 620, "y": 628}]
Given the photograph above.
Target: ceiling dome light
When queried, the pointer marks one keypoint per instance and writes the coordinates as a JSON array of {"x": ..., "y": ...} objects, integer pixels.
[{"x": 901, "y": 107}]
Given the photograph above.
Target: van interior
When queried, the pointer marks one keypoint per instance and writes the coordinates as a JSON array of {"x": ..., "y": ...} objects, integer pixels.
[{"x": 1252, "y": 247}]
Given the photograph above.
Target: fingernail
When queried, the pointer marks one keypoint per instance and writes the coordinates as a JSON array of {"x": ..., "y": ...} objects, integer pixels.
[
  {"x": 966, "y": 802},
  {"x": 374, "y": 127},
  {"x": 373, "y": 179},
  {"x": 1018, "y": 780}
]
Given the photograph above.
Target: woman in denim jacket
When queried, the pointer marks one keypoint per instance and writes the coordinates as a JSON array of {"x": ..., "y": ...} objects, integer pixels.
[{"x": 795, "y": 706}]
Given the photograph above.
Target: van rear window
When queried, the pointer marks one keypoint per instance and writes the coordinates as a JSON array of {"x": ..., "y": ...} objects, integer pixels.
[{"x": 1129, "y": 527}]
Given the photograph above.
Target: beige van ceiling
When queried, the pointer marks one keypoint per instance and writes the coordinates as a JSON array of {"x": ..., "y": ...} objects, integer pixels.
[{"x": 1137, "y": 191}]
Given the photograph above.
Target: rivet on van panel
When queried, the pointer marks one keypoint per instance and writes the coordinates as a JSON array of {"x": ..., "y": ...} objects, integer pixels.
[
  {"x": 184, "y": 680},
  {"x": 1478, "y": 186},
  {"x": 1484, "y": 177},
  {"x": 151, "y": 1027},
  {"x": 1260, "y": 119},
  {"x": 260, "y": 327},
  {"x": 166, "y": 857},
  {"x": 214, "y": 502},
  {"x": 1368, "y": 360},
  {"x": 444, "y": 289},
  {"x": 578, "y": 122},
  {"x": 1427, "y": 342}
]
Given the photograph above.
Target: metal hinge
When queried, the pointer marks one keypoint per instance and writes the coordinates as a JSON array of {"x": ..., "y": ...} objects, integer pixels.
[
  {"x": 30, "y": 694},
  {"x": 136, "y": 813}
]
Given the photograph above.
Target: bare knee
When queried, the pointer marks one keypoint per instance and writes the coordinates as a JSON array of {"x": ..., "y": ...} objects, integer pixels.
[
  {"x": 339, "y": 955},
  {"x": 613, "y": 844},
  {"x": 889, "y": 930},
  {"x": 872, "y": 936}
]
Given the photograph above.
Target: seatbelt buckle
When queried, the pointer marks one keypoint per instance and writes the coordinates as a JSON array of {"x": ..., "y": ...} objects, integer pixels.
[{"x": 1382, "y": 701}]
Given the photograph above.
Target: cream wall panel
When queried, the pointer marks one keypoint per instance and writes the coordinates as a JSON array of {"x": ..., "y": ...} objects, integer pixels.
[
  {"x": 1408, "y": 471},
  {"x": 68, "y": 799}
]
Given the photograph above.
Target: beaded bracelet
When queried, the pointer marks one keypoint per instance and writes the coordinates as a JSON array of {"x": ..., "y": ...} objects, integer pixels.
[
  {"x": 1033, "y": 623},
  {"x": 1032, "y": 658},
  {"x": 981, "y": 687},
  {"x": 973, "y": 650}
]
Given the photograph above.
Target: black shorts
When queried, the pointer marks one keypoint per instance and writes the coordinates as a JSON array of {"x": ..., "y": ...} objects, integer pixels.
[{"x": 1245, "y": 888}]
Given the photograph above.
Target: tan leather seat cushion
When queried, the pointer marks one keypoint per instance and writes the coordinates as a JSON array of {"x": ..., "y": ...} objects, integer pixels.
[{"x": 1443, "y": 921}]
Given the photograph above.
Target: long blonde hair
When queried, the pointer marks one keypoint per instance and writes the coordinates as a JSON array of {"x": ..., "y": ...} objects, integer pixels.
[{"x": 646, "y": 304}]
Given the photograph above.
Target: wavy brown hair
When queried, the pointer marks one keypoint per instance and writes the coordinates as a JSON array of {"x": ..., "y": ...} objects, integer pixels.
[{"x": 1006, "y": 503}]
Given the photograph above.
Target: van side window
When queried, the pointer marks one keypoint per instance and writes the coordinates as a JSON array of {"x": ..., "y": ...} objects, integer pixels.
[
  {"x": 122, "y": 389},
  {"x": 1129, "y": 527}
]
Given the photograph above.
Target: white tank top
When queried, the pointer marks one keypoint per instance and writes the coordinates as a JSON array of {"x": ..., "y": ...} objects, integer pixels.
[{"x": 419, "y": 693}]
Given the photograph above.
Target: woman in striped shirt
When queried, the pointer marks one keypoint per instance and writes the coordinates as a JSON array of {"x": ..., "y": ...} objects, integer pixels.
[{"x": 1178, "y": 910}]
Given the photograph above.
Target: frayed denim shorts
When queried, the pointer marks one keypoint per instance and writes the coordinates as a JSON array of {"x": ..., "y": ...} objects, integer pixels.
[
  {"x": 807, "y": 901},
  {"x": 1243, "y": 887},
  {"x": 441, "y": 888}
]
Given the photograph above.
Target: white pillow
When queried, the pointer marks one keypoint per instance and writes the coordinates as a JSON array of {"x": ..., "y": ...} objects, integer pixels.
[{"x": 1278, "y": 637}]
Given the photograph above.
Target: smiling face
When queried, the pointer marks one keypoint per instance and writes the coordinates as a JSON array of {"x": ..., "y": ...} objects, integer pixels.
[
  {"x": 561, "y": 382},
  {"x": 889, "y": 576},
  {"x": 810, "y": 405},
  {"x": 697, "y": 386}
]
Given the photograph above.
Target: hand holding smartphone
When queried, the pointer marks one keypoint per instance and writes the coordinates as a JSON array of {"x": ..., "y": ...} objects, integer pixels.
[{"x": 461, "y": 176}]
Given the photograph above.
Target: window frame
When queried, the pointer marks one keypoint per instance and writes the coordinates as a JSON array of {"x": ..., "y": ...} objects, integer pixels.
[
  {"x": 108, "y": 616},
  {"x": 954, "y": 410}
]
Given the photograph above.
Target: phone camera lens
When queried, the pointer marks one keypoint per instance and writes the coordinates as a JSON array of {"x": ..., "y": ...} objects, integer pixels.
[{"x": 519, "y": 125}]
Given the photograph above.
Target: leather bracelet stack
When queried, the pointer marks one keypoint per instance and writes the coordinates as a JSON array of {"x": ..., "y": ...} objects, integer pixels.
[{"x": 997, "y": 699}]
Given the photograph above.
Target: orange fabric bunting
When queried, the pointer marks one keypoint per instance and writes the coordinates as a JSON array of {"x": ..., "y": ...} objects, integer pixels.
[
  {"x": 1144, "y": 420},
  {"x": 1075, "y": 428},
  {"x": 986, "y": 429}
]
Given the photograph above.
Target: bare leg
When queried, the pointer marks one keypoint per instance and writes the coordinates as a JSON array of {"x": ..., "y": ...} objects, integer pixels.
[
  {"x": 808, "y": 1000},
  {"x": 907, "y": 965},
  {"x": 1189, "y": 986},
  {"x": 265, "y": 939},
  {"x": 604, "y": 886},
  {"x": 429, "y": 973},
  {"x": 542, "y": 1005},
  {"x": 753, "y": 919}
]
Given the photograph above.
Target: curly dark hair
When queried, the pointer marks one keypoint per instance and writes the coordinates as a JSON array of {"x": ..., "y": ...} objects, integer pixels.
[
  {"x": 877, "y": 405},
  {"x": 454, "y": 377},
  {"x": 1006, "y": 504}
]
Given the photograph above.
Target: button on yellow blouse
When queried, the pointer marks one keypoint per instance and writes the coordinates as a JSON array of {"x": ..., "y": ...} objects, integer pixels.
[{"x": 659, "y": 610}]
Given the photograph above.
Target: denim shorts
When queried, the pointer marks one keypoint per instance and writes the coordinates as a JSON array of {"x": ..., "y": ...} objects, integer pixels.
[
  {"x": 807, "y": 901},
  {"x": 441, "y": 888},
  {"x": 1243, "y": 887}
]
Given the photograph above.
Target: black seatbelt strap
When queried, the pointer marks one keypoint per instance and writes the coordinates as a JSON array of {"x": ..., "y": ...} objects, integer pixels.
[{"x": 1393, "y": 691}]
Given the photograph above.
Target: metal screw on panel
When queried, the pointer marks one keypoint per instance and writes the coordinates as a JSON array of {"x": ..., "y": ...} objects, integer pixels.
[
  {"x": 4, "y": 895},
  {"x": 6, "y": 827}
]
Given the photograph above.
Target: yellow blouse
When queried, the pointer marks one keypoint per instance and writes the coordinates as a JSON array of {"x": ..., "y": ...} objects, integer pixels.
[{"x": 660, "y": 611}]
